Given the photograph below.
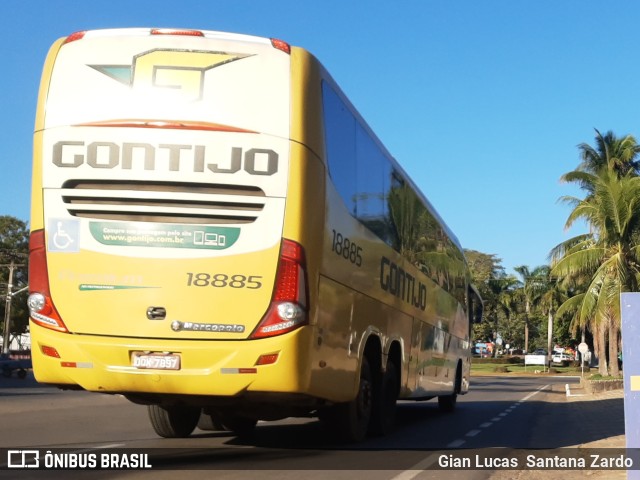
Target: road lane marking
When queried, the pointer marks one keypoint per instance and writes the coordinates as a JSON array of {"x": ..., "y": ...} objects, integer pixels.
[
  {"x": 456, "y": 443},
  {"x": 418, "y": 468},
  {"x": 425, "y": 463}
]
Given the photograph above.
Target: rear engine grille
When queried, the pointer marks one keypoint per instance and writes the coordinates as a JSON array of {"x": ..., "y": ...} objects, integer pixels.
[{"x": 163, "y": 202}]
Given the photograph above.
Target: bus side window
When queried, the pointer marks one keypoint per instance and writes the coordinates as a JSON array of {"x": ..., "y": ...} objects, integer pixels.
[{"x": 340, "y": 140}]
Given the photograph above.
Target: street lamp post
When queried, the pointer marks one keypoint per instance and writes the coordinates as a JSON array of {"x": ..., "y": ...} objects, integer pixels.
[{"x": 549, "y": 338}]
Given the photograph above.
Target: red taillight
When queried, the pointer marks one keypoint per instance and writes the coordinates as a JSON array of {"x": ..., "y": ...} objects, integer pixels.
[
  {"x": 75, "y": 36},
  {"x": 290, "y": 274},
  {"x": 41, "y": 308},
  {"x": 171, "y": 31},
  {"x": 281, "y": 45},
  {"x": 288, "y": 308},
  {"x": 268, "y": 359},
  {"x": 38, "y": 275}
]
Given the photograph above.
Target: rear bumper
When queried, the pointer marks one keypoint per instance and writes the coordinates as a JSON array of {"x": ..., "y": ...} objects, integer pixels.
[{"x": 208, "y": 368}]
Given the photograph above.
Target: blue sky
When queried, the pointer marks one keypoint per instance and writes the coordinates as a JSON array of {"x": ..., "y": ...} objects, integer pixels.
[{"x": 482, "y": 102}]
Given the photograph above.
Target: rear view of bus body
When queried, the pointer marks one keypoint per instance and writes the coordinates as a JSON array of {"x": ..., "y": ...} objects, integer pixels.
[{"x": 190, "y": 248}]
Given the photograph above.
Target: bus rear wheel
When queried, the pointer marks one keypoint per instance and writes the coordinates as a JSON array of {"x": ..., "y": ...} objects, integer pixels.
[
  {"x": 173, "y": 421},
  {"x": 447, "y": 403},
  {"x": 350, "y": 421},
  {"x": 384, "y": 407}
]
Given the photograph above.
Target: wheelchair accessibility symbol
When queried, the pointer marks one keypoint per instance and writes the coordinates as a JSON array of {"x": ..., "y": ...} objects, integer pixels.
[{"x": 64, "y": 235}]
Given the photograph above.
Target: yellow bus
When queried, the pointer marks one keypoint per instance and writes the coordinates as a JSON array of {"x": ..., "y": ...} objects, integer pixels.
[{"x": 218, "y": 234}]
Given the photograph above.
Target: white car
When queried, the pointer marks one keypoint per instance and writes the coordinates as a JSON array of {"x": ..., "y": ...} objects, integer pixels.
[{"x": 561, "y": 357}]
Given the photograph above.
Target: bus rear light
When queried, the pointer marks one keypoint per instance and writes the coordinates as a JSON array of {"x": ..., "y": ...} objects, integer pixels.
[
  {"x": 49, "y": 351},
  {"x": 281, "y": 45},
  {"x": 288, "y": 308},
  {"x": 75, "y": 36},
  {"x": 267, "y": 359},
  {"x": 41, "y": 308},
  {"x": 171, "y": 31}
]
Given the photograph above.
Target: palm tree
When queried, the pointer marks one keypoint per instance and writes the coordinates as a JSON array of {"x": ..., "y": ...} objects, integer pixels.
[
  {"x": 509, "y": 304},
  {"x": 553, "y": 295},
  {"x": 610, "y": 152},
  {"x": 608, "y": 256},
  {"x": 533, "y": 282},
  {"x": 604, "y": 261}
]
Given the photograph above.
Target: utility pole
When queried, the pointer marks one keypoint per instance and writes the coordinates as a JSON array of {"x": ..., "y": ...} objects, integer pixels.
[{"x": 7, "y": 310}]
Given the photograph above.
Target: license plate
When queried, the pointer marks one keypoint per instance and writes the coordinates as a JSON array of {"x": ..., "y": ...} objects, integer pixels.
[{"x": 156, "y": 361}]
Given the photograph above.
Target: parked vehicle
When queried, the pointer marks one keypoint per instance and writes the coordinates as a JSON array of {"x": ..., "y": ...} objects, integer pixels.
[{"x": 561, "y": 357}]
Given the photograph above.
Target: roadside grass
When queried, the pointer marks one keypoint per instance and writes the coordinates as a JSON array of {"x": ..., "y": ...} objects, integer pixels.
[{"x": 511, "y": 368}]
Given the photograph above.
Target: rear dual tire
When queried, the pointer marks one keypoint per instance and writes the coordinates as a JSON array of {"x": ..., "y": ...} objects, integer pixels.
[
  {"x": 349, "y": 421},
  {"x": 372, "y": 411},
  {"x": 385, "y": 400},
  {"x": 173, "y": 421}
]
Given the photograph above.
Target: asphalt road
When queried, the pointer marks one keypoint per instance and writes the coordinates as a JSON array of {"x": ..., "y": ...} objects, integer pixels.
[{"x": 498, "y": 412}]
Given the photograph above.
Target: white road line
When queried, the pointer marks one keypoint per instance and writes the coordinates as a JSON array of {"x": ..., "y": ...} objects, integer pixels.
[
  {"x": 456, "y": 443},
  {"x": 535, "y": 393},
  {"x": 418, "y": 468},
  {"x": 425, "y": 463}
]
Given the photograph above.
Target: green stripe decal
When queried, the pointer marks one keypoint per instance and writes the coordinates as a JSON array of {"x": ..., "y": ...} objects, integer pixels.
[{"x": 84, "y": 287}]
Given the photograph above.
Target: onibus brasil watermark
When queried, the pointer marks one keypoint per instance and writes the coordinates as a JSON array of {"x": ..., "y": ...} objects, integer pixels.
[{"x": 84, "y": 460}]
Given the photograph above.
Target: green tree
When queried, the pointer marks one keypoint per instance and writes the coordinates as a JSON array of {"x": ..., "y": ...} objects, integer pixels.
[
  {"x": 533, "y": 286},
  {"x": 14, "y": 251},
  {"x": 610, "y": 153},
  {"x": 503, "y": 305},
  {"x": 510, "y": 310},
  {"x": 607, "y": 259},
  {"x": 609, "y": 256},
  {"x": 553, "y": 295},
  {"x": 485, "y": 271}
]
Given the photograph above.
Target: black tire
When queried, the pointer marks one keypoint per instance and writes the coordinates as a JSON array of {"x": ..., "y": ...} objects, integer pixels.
[
  {"x": 22, "y": 373},
  {"x": 350, "y": 421},
  {"x": 384, "y": 402},
  {"x": 173, "y": 422},
  {"x": 447, "y": 403}
]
